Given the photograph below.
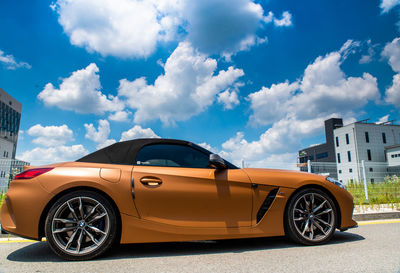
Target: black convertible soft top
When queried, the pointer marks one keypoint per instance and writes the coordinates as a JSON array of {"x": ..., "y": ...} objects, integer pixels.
[{"x": 124, "y": 153}]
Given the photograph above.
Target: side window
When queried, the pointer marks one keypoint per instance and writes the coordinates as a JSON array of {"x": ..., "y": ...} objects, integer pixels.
[{"x": 170, "y": 155}]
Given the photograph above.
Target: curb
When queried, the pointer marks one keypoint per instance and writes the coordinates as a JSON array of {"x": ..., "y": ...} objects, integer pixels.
[{"x": 376, "y": 216}]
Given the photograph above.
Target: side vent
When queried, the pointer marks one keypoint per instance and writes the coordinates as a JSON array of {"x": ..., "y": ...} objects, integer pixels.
[{"x": 266, "y": 204}]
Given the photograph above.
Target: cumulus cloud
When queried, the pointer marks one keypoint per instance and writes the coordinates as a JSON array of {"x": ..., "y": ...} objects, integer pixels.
[
  {"x": 81, "y": 93},
  {"x": 120, "y": 116},
  {"x": 138, "y": 132},
  {"x": 393, "y": 92},
  {"x": 188, "y": 86},
  {"x": 387, "y": 5},
  {"x": 282, "y": 138},
  {"x": 123, "y": 28},
  {"x": 324, "y": 89},
  {"x": 99, "y": 135},
  {"x": 298, "y": 110},
  {"x": 42, "y": 156},
  {"x": 50, "y": 135},
  {"x": 134, "y": 28},
  {"x": 10, "y": 63},
  {"x": 392, "y": 53},
  {"x": 229, "y": 99}
]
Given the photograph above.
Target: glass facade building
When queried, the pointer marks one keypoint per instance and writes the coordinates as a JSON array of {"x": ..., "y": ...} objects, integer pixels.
[{"x": 10, "y": 117}]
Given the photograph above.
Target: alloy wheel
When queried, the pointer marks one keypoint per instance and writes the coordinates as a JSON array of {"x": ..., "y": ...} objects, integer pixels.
[
  {"x": 313, "y": 217},
  {"x": 80, "y": 225}
]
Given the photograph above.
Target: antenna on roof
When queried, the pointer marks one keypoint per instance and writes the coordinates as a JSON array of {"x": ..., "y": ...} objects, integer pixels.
[{"x": 363, "y": 121}]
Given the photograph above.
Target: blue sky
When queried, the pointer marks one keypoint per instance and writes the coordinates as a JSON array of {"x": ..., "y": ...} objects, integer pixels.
[{"x": 251, "y": 80}]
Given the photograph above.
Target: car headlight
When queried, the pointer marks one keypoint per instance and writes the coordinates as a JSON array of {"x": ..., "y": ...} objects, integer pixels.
[{"x": 336, "y": 182}]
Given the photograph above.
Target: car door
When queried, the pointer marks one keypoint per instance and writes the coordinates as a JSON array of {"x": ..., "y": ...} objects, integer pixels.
[{"x": 173, "y": 185}]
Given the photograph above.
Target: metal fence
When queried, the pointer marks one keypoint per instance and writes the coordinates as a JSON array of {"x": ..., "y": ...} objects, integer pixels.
[{"x": 8, "y": 169}]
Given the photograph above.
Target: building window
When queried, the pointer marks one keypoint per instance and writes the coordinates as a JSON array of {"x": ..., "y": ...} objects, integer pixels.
[
  {"x": 322, "y": 155},
  {"x": 338, "y": 158},
  {"x": 347, "y": 139},
  {"x": 372, "y": 180},
  {"x": 384, "y": 138},
  {"x": 366, "y": 137},
  {"x": 340, "y": 171},
  {"x": 349, "y": 156},
  {"x": 337, "y": 141},
  {"x": 371, "y": 170},
  {"x": 350, "y": 170},
  {"x": 369, "y": 155},
  {"x": 392, "y": 156}
]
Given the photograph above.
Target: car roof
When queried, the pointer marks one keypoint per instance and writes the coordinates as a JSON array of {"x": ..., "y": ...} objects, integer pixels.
[{"x": 125, "y": 152}]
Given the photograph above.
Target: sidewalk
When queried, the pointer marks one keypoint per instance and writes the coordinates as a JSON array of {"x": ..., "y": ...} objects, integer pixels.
[{"x": 376, "y": 212}]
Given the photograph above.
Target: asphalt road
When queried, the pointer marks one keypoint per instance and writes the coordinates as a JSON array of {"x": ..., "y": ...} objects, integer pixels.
[{"x": 368, "y": 248}]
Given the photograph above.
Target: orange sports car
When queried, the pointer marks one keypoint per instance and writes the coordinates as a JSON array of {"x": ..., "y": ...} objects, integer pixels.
[{"x": 159, "y": 190}]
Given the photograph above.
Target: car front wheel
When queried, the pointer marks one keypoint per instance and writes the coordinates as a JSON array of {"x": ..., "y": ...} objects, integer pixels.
[
  {"x": 81, "y": 225},
  {"x": 311, "y": 217}
]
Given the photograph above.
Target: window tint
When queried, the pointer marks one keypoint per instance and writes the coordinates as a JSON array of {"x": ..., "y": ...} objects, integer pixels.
[
  {"x": 349, "y": 156},
  {"x": 384, "y": 138},
  {"x": 169, "y": 155},
  {"x": 337, "y": 141},
  {"x": 347, "y": 139}
]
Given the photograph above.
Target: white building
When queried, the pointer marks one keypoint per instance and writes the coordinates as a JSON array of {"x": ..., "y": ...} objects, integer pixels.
[{"x": 366, "y": 142}]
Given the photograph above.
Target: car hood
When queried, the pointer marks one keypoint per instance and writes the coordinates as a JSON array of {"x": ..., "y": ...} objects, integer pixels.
[{"x": 282, "y": 178}]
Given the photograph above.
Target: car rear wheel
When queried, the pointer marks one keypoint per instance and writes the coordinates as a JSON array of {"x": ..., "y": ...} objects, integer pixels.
[
  {"x": 81, "y": 225},
  {"x": 311, "y": 217}
]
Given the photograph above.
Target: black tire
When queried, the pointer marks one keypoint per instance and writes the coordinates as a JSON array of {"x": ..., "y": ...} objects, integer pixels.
[
  {"x": 310, "y": 217},
  {"x": 81, "y": 225}
]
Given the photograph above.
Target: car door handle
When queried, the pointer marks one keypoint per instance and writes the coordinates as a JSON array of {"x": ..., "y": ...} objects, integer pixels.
[{"x": 151, "y": 181}]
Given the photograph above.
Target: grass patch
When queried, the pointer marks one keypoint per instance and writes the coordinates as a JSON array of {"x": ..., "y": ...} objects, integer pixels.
[
  {"x": 2, "y": 196},
  {"x": 386, "y": 192}
]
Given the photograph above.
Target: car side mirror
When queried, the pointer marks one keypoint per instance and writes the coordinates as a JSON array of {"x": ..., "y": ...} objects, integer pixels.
[{"x": 217, "y": 161}]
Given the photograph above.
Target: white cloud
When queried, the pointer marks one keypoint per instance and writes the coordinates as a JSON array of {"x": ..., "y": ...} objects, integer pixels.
[
  {"x": 324, "y": 89},
  {"x": 188, "y": 86},
  {"x": 229, "y": 99},
  {"x": 99, "y": 135},
  {"x": 134, "y": 28},
  {"x": 282, "y": 138},
  {"x": 393, "y": 92},
  {"x": 50, "y": 135},
  {"x": 383, "y": 119},
  {"x": 298, "y": 110},
  {"x": 138, "y": 132},
  {"x": 208, "y": 147},
  {"x": 392, "y": 53},
  {"x": 10, "y": 63},
  {"x": 269, "y": 104},
  {"x": 387, "y": 5},
  {"x": 285, "y": 21},
  {"x": 81, "y": 93},
  {"x": 123, "y": 28},
  {"x": 120, "y": 116},
  {"x": 41, "y": 156}
]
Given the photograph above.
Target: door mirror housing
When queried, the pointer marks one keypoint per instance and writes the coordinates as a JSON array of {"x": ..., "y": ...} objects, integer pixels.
[{"x": 216, "y": 161}]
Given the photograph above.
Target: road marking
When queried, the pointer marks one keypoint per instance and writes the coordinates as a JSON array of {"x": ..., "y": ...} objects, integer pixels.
[
  {"x": 17, "y": 240},
  {"x": 378, "y": 222}
]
